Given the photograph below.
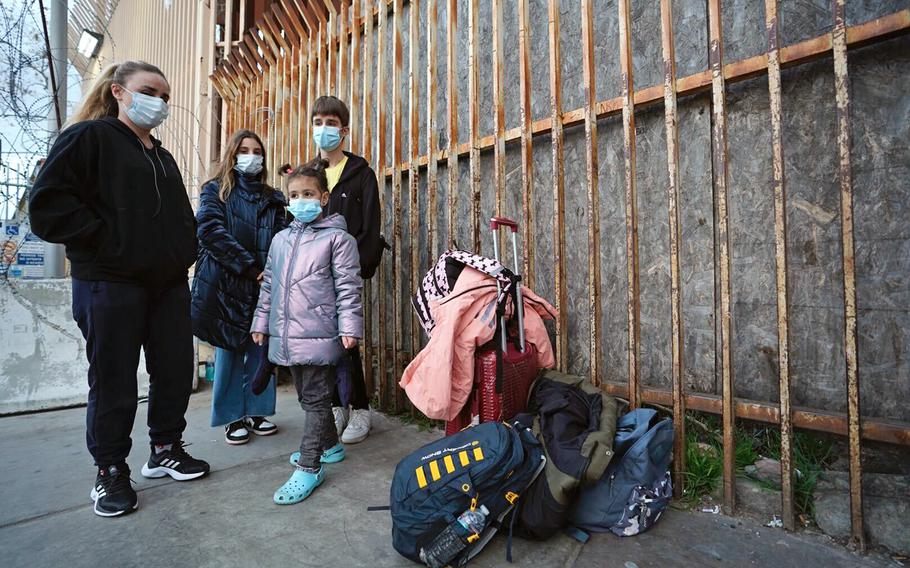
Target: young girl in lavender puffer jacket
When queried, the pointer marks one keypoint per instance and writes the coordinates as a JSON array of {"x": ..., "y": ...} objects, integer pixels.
[{"x": 310, "y": 311}]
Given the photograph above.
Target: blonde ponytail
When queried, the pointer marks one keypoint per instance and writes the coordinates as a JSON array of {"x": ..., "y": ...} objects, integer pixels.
[{"x": 99, "y": 101}]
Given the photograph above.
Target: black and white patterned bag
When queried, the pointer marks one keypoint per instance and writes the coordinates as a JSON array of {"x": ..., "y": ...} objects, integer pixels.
[{"x": 440, "y": 281}]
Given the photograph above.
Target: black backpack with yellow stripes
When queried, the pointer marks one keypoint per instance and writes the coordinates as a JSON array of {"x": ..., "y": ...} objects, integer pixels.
[{"x": 485, "y": 467}]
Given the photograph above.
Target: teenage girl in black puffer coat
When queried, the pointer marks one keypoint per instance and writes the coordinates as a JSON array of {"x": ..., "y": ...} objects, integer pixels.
[{"x": 238, "y": 216}]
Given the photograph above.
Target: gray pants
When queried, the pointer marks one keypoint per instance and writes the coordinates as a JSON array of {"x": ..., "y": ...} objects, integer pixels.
[{"x": 315, "y": 387}]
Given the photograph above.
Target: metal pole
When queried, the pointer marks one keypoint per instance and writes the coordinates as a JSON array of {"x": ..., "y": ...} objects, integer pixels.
[
  {"x": 520, "y": 308},
  {"x": 502, "y": 319},
  {"x": 53, "y": 253}
]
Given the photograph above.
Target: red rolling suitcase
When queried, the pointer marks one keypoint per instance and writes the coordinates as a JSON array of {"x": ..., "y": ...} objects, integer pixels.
[{"x": 500, "y": 395}]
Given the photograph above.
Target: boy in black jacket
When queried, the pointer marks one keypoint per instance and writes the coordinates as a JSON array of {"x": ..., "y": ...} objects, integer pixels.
[{"x": 355, "y": 195}]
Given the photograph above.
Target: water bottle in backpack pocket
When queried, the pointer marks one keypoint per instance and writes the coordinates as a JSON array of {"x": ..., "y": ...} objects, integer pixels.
[
  {"x": 636, "y": 487},
  {"x": 455, "y": 538}
]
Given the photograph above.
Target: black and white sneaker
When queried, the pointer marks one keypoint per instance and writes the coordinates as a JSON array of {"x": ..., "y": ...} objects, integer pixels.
[
  {"x": 176, "y": 463},
  {"x": 260, "y": 425},
  {"x": 236, "y": 433},
  {"x": 113, "y": 492}
]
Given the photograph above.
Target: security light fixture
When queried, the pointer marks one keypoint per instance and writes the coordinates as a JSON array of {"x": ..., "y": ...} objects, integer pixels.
[{"x": 90, "y": 43}]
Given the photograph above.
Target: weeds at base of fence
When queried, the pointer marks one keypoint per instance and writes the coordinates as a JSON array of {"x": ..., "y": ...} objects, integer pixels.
[
  {"x": 416, "y": 418},
  {"x": 704, "y": 458}
]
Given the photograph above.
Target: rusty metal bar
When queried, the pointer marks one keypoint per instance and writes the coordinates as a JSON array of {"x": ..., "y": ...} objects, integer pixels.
[
  {"x": 452, "y": 103},
  {"x": 321, "y": 60},
  {"x": 382, "y": 82},
  {"x": 398, "y": 341},
  {"x": 559, "y": 219},
  {"x": 313, "y": 82},
  {"x": 272, "y": 32},
  {"x": 413, "y": 155},
  {"x": 875, "y": 31},
  {"x": 332, "y": 66},
  {"x": 343, "y": 55},
  {"x": 719, "y": 159},
  {"x": 628, "y": 116},
  {"x": 474, "y": 110},
  {"x": 845, "y": 177},
  {"x": 587, "y": 33},
  {"x": 888, "y": 431},
  {"x": 366, "y": 142},
  {"x": 780, "y": 253},
  {"x": 672, "y": 132},
  {"x": 356, "y": 140},
  {"x": 527, "y": 149},
  {"x": 367, "y": 100},
  {"x": 499, "y": 112},
  {"x": 292, "y": 22},
  {"x": 298, "y": 67},
  {"x": 432, "y": 135}
]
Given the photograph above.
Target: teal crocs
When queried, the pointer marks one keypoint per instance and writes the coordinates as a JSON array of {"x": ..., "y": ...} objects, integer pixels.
[
  {"x": 298, "y": 487},
  {"x": 334, "y": 454}
]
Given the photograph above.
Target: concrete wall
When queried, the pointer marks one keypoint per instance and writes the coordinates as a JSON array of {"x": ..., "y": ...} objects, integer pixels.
[
  {"x": 42, "y": 353},
  {"x": 880, "y": 81}
]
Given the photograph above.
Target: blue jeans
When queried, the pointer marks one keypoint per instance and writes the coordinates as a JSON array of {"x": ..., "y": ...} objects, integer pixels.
[{"x": 232, "y": 395}]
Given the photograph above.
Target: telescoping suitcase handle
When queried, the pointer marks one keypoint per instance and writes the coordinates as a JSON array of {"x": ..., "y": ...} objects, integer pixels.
[{"x": 495, "y": 224}]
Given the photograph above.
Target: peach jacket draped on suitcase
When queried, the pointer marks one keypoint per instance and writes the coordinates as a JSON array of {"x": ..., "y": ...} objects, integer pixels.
[{"x": 440, "y": 378}]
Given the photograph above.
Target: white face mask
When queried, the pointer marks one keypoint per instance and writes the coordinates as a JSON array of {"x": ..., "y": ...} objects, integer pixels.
[
  {"x": 250, "y": 164},
  {"x": 146, "y": 111}
]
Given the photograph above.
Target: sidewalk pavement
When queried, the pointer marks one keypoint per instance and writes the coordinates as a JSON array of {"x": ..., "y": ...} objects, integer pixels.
[{"x": 228, "y": 519}]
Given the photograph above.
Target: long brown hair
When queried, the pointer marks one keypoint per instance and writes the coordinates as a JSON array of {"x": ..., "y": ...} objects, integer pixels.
[
  {"x": 99, "y": 101},
  {"x": 223, "y": 171}
]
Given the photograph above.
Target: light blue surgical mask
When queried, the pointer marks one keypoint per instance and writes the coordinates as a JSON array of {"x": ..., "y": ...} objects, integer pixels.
[
  {"x": 327, "y": 137},
  {"x": 146, "y": 111},
  {"x": 305, "y": 210},
  {"x": 250, "y": 164}
]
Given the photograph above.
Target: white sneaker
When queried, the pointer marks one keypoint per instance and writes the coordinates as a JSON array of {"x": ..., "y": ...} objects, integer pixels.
[
  {"x": 358, "y": 428},
  {"x": 341, "y": 418}
]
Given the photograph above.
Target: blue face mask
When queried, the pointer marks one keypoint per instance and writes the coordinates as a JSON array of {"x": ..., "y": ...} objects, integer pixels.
[
  {"x": 327, "y": 137},
  {"x": 146, "y": 111},
  {"x": 305, "y": 210}
]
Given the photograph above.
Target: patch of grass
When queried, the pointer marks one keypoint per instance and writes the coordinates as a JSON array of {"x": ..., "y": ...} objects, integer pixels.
[
  {"x": 811, "y": 454},
  {"x": 745, "y": 446},
  {"x": 704, "y": 467}
]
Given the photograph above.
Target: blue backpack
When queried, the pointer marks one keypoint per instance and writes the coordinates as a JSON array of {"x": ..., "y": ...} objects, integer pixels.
[
  {"x": 488, "y": 466},
  {"x": 636, "y": 488}
]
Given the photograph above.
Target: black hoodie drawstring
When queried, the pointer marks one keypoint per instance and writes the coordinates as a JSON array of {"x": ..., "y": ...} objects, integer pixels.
[{"x": 154, "y": 172}]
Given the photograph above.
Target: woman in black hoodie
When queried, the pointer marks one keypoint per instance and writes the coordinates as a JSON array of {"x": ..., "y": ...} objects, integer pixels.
[{"x": 116, "y": 199}]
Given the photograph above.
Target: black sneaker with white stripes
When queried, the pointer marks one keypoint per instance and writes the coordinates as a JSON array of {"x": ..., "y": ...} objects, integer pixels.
[
  {"x": 176, "y": 463},
  {"x": 113, "y": 493}
]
